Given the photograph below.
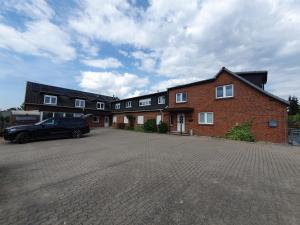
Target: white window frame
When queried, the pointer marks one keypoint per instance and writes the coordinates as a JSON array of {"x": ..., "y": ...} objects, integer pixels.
[
  {"x": 102, "y": 105},
  {"x": 224, "y": 91},
  {"x": 117, "y": 105},
  {"x": 140, "y": 120},
  {"x": 128, "y": 104},
  {"x": 80, "y": 101},
  {"x": 115, "y": 118},
  {"x": 145, "y": 102},
  {"x": 51, "y": 97},
  {"x": 125, "y": 120},
  {"x": 181, "y": 95},
  {"x": 76, "y": 115},
  {"x": 205, "y": 118},
  {"x": 160, "y": 101}
]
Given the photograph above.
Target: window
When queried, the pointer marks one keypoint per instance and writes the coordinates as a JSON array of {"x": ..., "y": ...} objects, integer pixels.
[
  {"x": 225, "y": 91},
  {"x": 158, "y": 119},
  {"x": 95, "y": 119},
  {"x": 117, "y": 105},
  {"x": 128, "y": 104},
  {"x": 181, "y": 97},
  {"x": 50, "y": 100},
  {"x": 125, "y": 119},
  {"x": 100, "y": 105},
  {"x": 140, "y": 120},
  {"x": 206, "y": 118},
  {"x": 114, "y": 119},
  {"x": 145, "y": 102},
  {"x": 79, "y": 103},
  {"x": 78, "y": 114},
  {"x": 161, "y": 99}
]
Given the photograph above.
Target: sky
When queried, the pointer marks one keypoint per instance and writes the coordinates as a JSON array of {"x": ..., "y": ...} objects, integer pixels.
[{"x": 127, "y": 48}]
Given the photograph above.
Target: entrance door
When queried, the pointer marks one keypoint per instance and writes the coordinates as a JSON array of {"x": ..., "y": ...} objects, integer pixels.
[
  {"x": 180, "y": 122},
  {"x": 106, "y": 121}
]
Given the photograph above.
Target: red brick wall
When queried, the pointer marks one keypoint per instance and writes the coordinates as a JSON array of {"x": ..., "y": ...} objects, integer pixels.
[
  {"x": 247, "y": 104},
  {"x": 147, "y": 116}
]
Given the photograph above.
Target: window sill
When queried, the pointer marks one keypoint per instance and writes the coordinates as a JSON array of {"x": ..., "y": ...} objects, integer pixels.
[
  {"x": 206, "y": 124},
  {"x": 181, "y": 102},
  {"x": 224, "y": 98}
]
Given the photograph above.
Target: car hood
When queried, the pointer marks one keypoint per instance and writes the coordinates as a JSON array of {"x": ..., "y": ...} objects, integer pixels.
[{"x": 21, "y": 127}]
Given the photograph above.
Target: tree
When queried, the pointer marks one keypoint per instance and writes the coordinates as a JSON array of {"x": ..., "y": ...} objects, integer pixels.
[{"x": 294, "y": 105}]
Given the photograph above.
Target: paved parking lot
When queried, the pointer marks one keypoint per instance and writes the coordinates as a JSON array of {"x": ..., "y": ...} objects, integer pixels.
[{"x": 123, "y": 177}]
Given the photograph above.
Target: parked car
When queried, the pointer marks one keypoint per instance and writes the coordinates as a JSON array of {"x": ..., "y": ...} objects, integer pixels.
[{"x": 48, "y": 129}]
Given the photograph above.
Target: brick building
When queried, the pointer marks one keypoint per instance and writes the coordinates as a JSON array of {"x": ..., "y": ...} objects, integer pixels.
[{"x": 209, "y": 107}]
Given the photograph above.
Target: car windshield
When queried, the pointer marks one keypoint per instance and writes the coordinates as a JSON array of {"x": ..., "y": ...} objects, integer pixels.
[{"x": 46, "y": 122}]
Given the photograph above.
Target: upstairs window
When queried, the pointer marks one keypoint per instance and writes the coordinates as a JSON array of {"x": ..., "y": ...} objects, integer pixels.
[
  {"x": 128, "y": 104},
  {"x": 50, "y": 100},
  {"x": 206, "y": 118},
  {"x": 181, "y": 97},
  {"x": 145, "y": 102},
  {"x": 161, "y": 99},
  {"x": 79, "y": 103},
  {"x": 100, "y": 105},
  {"x": 225, "y": 91},
  {"x": 117, "y": 105}
]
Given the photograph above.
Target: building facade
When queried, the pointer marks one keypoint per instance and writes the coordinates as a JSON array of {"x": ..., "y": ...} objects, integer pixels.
[
  {"x": 210, "y": 107},
  {"x": 53, "y": 101}
]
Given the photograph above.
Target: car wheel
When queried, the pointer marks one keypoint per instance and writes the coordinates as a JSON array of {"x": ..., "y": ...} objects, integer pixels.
[
  {"x": 76, "y": 134},
  {"x": 22, "y": 138}
]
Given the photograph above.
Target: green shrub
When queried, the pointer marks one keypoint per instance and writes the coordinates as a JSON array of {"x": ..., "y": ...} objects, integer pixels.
[
  {"x": 241, "y": 132},
  {"x": 163, "y": 127},
  {"x": 121, "y": 125},
  {"x": 150, "y": 126},
  {"x": 139, "y": 128}
]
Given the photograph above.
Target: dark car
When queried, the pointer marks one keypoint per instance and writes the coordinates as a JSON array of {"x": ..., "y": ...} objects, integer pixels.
[{"x": 48, "y": 129}]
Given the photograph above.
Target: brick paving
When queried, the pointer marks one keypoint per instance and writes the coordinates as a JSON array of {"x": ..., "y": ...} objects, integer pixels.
[{"x": 123, "y": 177}]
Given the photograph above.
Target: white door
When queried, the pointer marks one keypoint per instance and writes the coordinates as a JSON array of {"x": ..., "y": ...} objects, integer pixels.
[
  {"x": 106, "y": 121},
  {"x": 180, "y": 122}
]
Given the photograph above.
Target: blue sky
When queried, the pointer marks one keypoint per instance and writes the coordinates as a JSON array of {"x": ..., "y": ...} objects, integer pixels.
[{"x": 127, "y": 48}]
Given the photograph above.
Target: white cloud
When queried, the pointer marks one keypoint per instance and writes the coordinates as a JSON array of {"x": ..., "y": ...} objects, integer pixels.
[
  {"x": 110, "y": 83},
  {"x": 147, "y": 61},
  {"x": 103, "y": 63},
  {"x": 39, "y": 36},
  {"x": 37, "y": 41},
  {"x": 198, "y": 38}
]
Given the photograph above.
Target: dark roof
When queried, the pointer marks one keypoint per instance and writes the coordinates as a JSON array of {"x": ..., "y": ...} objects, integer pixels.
[
  {"x": 263, "y": 74},
  {"x": 142, "y": 96},
  {"x": 239, "y": 78},
  {"x": 48, "y": 89}
]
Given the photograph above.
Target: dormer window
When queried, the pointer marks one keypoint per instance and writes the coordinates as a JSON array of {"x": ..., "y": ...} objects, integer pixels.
[
  {"x": 100, "y": 105},
  {"x": 50, "y": 100},
  {"x": 145, "y": 102},
  {"x": 79, "y": 103},
  {"x": 161, "y": 99},
  {"x": 225, "y": 91},
  {"x": 181, "y": 97},
  {"x": 128, "y": 104},
  {"x": 117, "y": 105}
]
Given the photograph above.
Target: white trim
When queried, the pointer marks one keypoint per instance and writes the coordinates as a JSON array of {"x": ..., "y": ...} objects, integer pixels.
[
  {"x": 51, "y": 98},
  {"x": 125, "y": 119},
  {"x": 181, "y": 97},
  {"x": 117, "y": 105},
  {"x": 115, "y": 118},
  {"x": 128, "y": 104},
  {"x": 158, "y": 119},
  {"x": 145, "y": 102},
  {"x": 224, "y": 91},
  {"x": 159, "y": 101},
  {"x": 205, "y": 118},
  {"x": 80, "y": 105},
  {"x": 102, "y": 105}
]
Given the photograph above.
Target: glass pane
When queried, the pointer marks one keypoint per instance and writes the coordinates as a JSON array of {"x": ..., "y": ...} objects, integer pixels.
[
  {"x": 202, "y": 117},
  {"x": 184, "y": 96},
  {"x": 219, "y": 92},
  {"x": 209, "y": 118},
  {"x": 53, "y": 100},
  {"x": 229, "y": 91},
  {"x": 178, "y": 97},
  {"x": 47, "y": 99}
]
